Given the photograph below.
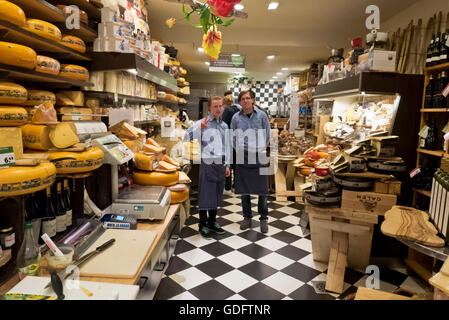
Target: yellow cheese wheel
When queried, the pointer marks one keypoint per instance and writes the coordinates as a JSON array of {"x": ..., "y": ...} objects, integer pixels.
[
  {"x": 43, "y": 29},
  {"x": 12, "y": 116},
  {"x": 37, "y": 97},
  {"x": 178, "y": 194},
  {"x": 17, "y": 55},
  {"x": 16, "y": 181},
  {"x": 36, "y": 137},
  {"x": 11, "y": 93},
  {"x": 31, "y": 111},
  {"x": 77, "y": 162},
  {"x": 144, "y": 162},
  {"x": 75, "y": 43},
  {"x": 156, "y": 178},
  {"x": 12, "y": 13},
  {"x": 75, "y": 114},
  {"x": 74, "y": 72},
  {"x": 47, "y": 65}
]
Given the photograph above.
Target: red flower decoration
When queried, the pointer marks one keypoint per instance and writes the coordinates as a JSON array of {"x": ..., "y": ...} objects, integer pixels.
[{"x": 223, "y": 8}]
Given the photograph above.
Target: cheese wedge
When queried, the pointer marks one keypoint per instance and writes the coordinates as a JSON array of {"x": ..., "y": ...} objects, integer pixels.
[
  {"x": 152, "y": 149},
  {"x": 62, "y": 136},
  {"x": 72, "y": 98},
  {"x": 184, "y": 178},
  {"x": 144, "y": 161},
  {"x": 134, "y": 145},
  {"x": 171, "y": 161},
  {"x": 153, "y": 142},
  {"x": 166, "y": 166},
  {"x": 36, "y": 137},
  {"x": 12, "y": 137},
  {"x": 130, "y": 132}
]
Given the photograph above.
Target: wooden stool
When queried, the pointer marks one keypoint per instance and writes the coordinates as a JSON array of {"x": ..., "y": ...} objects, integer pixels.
[{"x": 286, "y": 178}]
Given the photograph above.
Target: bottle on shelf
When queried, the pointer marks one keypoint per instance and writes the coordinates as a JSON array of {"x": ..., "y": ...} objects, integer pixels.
[
  {"x": 67, "y": 203},
  {"x": 49, "y": 216},
  {"x": 60, "y": 211},
  {"x": 436, "y": 51},
  {"x": 437, "y": 92},
  {"x": 432, "y": 136},
  {"x": 428, "y": 101},
  {"x": 429, "y": 54},
  {"x": 28, "y": 257},
  {"x": 442, "y": 83},
  {"x": 444, "y": 55}
]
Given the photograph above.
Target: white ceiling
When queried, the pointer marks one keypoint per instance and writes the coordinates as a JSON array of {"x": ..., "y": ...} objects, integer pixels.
[{"x": 299, "y": 33}]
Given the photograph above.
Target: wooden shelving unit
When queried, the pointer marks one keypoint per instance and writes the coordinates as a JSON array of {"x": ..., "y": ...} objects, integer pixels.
[
  {"x": 438, "y": 153},
  {"x": 117, "y": 96},
  {"x": 435, "y": 110},
  {"x": 423, "y": 192}
]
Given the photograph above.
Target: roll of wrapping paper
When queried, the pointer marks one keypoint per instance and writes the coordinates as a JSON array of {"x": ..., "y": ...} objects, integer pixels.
[{"x": 73, "y": 236}]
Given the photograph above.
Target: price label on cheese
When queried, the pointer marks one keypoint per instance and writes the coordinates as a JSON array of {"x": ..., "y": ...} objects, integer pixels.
[{"x": 7, "y": 158}]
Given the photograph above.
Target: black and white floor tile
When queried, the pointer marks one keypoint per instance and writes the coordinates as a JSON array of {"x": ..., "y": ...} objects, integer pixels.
[{"x": 249, "y": 265}]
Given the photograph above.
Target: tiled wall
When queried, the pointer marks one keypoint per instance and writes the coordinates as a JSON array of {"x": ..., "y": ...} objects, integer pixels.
[{"x": 266, "y": 92}]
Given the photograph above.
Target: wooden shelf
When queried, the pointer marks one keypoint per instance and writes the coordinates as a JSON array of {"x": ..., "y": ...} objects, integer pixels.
[
  {"x": 167, "y": 101},
  {"x": 423, "y": 192},
  {"x": 431, "y": 152},
  {"x": 149, "y": 122},
  {"x": 439, "y": 67},
  {"x": 12, "y": 33},
  {"x": 41, "y": 9},
  {"x": 114, "y": 96},
  {"x": 434, "y": 110}
]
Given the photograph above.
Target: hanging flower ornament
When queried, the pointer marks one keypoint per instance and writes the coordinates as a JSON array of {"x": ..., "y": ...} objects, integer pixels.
[{"x": 210, "y": 13}]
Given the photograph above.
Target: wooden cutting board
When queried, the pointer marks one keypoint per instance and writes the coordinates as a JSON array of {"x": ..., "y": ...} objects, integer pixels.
[
  {"x": 411, "y": 224},
  {"x": 123, "y": 258}
]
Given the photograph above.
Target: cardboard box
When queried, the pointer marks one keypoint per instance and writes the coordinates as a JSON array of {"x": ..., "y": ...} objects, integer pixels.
[
  {"x": 114, "y": 29},
  {"x": 388, "y": 187},
  {"x": 377, "y": 60},
  {"x": 370, "y": 202}
]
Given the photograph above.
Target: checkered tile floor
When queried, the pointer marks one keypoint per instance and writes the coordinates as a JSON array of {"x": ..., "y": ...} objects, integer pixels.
[{"x": 253, "y": 266}]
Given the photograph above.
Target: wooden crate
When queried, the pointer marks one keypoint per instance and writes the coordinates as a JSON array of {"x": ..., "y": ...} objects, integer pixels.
[
  {"x": 287, "y": 182},
  {"x": 370, "y": 202},
  {"x": 388, "y": 187}
]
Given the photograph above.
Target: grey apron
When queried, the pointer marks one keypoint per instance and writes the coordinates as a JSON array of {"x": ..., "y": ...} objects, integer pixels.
[
  {"x": 248, "y": 179},
  {"x": 211, "y": 185}
]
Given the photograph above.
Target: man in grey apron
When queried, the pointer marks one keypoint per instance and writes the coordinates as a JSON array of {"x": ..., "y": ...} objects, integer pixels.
[
  {"x": 251, "y": 135},
  {"x": 214, "y": 167}
]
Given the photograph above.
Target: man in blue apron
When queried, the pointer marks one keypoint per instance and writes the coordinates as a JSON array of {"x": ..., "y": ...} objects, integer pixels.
[
  {"x": 214, "y": 167},
  {"x": 251, "y": 135}
]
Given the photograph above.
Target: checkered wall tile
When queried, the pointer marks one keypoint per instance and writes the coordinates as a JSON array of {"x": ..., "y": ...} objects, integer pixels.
[{"x": 266, "y": 92}]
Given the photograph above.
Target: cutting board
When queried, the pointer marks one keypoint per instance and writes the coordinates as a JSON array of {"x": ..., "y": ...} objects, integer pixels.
[
  {"x": 123, "y": 258},
  {"x": 411, "y": 224}
]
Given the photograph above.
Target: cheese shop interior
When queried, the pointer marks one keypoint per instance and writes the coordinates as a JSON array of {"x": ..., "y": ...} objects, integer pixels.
[{"x": 98, "y": 170}]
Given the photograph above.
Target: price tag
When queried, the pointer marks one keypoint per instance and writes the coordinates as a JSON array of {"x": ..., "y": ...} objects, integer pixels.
[
  {"x": 415, "y": 172},
  {"x": 445, "y": 128},
  {"x": 424, "y": 132},
  {"x": 446, "y": 91},
  {"x": 7, "y": 158}
]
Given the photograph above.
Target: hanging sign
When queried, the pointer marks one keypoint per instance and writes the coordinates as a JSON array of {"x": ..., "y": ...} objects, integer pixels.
[{"x": 228, "y": 63}]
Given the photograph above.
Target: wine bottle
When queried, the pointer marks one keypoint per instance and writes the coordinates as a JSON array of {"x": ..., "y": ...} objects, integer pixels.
[
  {"x": 444, "y": 48},
  {"x": 60, "y": 211},
  {"x": 428, "y": 101},
  {"x": 431, "y": 136},
  {"x": 437, "y": 92},
  {"x": 429, "y": 54},
  {"x": 441, "y": 86},
  {"x": 49, "y": 216},
  {"x": 436, "y": 50},
  {"x": 67, "y": 203}
]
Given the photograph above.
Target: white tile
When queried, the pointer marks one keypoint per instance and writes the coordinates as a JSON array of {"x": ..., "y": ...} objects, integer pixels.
[
  {"x": 304, "y": 244},
  {"x": 198, "y": 240},
  {"x": 236, "y": 297},
  {"x": 383, "y": 286},
  {"x": 415, "y": 285},
  {"x": 287, "y": 298},
  {"x": 271, "y": 243},
  {"x": 235, "y": 242},
  {"x": 283, "y": 203},
  {"x": 236, "y": 280},
  {"x": 234, "y": 217},
  {"x": 288, "y": 210},
  {"x": 276, "y": 261},
  {"x": 256, "y": 217},
  {"x": 296, "y": 230},
  {"x": 271, "y": 230},
  {"x": 233, "y": 228},
  {"x": 190, "y": 278},
  {"x": 291, "y": 219},
  {"x": 184, "y": 296},
  {"x": 236, "y": 259},
  {"x": 195, "y": 257},
  {"x": 308, "y": 261},
  {"x": 233, "y": 200},
  {"x": 233, "y": 208},
  {"x": 283, "y": 283}
]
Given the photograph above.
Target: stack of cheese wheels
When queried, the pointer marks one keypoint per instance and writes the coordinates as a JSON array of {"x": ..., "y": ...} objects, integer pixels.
[{"x": 179, "y": 193}]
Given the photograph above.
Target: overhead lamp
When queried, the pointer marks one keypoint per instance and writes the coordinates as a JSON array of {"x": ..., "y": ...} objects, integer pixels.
[
  {"x": 133, "y": 71},
  {"x": 275, "y": 77},
  {"x": 273, "y": 5},
  {"x": 207, "y": 63},
  {"x": 200, "y": 49},
  {"x": 236, "y": 55},
  {"x": 279, "y": 73},
  {"x": 270, "y": 57},
  {"x": 284, "y": 69},
  {"x": 239, "y": 6}
]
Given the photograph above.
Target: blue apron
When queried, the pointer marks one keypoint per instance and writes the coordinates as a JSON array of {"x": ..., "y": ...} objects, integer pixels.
[
  {"x": 248, "y": 179},
  {"x": 211, "y": 186}
]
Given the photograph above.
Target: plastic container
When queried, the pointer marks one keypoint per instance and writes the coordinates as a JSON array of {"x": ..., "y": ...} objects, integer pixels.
[{"x": 58, "y": 263}]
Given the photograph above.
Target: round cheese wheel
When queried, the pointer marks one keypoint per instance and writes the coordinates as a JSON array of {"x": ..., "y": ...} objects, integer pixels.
[
  {"x": 12, "y": 13},
  {"x": 74, "y": 72},
  {"x": 12, "y": 116},
  {"x": 36, "y": 137},
  {"x": 17, "y": 55},
  {"x": 74, "y": 42},
  {"x": 11, "y": 93},
  {"x": 37, "y": 97},
  {"x": 156, "y": 178},
  {"x": 16, "y": 181},
  {"x": 47, "y": 65},
  {"x": 43, "y": 29},
  {"x": 179, "y": 194},
  {"x": 77, "y": 162}
]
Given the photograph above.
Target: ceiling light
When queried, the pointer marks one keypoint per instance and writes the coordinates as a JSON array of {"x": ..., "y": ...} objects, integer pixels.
[
  {"x": 275, "y": 77},
  {"x": 239, "y": 6},
  {"x": 273, "y": 5},
  {"x": 207, "y": 63},
  {"x": 200, "y": 49},
  {"x": 279, "y": 73},
  {"x": 236, "y": 55},
  {"x": 284, "y": 69},
  {"x": 133, "y": 71},
  {"x": 270, "y": 57}
]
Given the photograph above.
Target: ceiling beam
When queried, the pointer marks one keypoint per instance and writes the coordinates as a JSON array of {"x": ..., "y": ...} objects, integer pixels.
[{"x": 192, "y": 3}]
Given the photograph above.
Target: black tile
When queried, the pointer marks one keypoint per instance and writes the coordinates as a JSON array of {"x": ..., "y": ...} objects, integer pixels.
[
  {"x": 292, "y": 252},
  {"x": 212, "y": 290},
  {"x": 215, "y": 268},
  {"x": 187, "y": 232},
  {"x": 223, "y": 222},
  {"x": 309, "y": 237},
  {"x": 349, "y": 292},
  {"x": 301, "y": 272},
  {"x": 176, "y": 265},
  {"x": 223, "y": 212},
  {"x": 286, "y": 237},
  {"x": 352, "y": 276},
  {"x": 277, "y": 214},
  {"x": 260, "y": 291},
  {"x": 255, "y": 251},
  {"x": 183, "y": 246},
  {"x": 306, "y": 292},
  {"x": 392, "y": 276},
  {"x": 217, "y": 249},
  {"x": 273, "y": 205},
  {"x": 191, "y": 221},
  {"x": 193, "y": 210},
  {"x": 297, "y": 206},
  {"x": 258, "y": 270},
  {"x": 167, "y": 289},
  {"x": 281, "y": 224},
  {"x": 252, "y": 235}
]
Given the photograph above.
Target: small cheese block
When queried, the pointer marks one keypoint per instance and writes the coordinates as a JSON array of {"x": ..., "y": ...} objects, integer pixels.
[
  {"x": 47, "y": 65},
  {"x": 37, "y": 97},
  {"x": 45, "y": 113},
  {"x": 184, "y": 178},
  {"x": 17, "y": 55},
  {"x": 75, "y": 114},
  {"x": 12, "y": 137},
  {"x": 74, "y": 72},
  {"x": 134, "y": 145},
  {"x": 153, "y": 142},
  {"x": 152, "y": 149},
  {"x": 11, "y": 93},
  {"x": 145, "y": 162},
  {"x": 130, "y": 132},
  {"x": 171, "y": 161},
  {"x": 63, "y": 100},
  {"x": 166, "y": 166},
  {"x": 62, "y": 136},
  {"x": 73, "y": 42},
  {"x": 12, "y": 116},
  {"x": 76, "y": 98},
  {"x": 43, "y": 29},
  {"x": 36, "y": 137}
]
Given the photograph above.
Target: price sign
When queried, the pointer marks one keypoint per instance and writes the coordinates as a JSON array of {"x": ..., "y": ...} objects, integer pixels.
[{"x": 7, "y": 158}]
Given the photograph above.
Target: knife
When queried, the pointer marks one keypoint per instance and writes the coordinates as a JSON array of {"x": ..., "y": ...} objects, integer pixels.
[{"x": 64, "y": 274}]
